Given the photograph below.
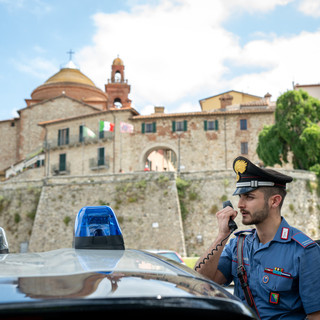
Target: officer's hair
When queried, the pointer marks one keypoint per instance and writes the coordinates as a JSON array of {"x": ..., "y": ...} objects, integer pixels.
[{"x": 271, "y": 191}]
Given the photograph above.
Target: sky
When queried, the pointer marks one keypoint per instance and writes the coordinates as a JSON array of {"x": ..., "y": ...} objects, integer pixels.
[{"x": 175, "y": 52}]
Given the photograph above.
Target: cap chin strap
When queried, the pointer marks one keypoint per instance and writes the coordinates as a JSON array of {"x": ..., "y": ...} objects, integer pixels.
[{"x": 255, "y": 184}]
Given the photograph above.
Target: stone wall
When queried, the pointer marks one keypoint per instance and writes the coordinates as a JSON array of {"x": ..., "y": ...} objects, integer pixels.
[
  {"x": 8, "y": 144},
  {"x": 204, "y": 193},
  {"x": 146, "y": 206},
  {"x": 18, "y": 206},
  {"x": 42, "y": 212}
]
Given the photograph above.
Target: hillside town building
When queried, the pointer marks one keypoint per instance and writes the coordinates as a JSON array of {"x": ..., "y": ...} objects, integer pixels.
[{"x": 71, "y": 127}]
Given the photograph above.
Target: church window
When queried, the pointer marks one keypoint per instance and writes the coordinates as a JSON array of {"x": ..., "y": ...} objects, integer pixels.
[{"x": 63, "y": 136}]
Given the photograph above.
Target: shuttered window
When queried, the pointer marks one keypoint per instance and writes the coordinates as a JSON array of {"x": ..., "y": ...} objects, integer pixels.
[
  {"x": 148, "y": 127},
  {"x": 179, "y": 125},
  {"x": 209, "y": 125},
  {"x": 62, "y": 162},
  {"x": 63, "y": 137}
]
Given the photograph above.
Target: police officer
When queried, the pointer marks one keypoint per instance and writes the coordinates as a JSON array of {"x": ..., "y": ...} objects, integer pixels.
[{"x": 279, "y": 265}]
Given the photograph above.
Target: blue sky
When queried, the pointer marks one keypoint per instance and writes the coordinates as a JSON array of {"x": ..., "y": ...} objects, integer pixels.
[{"x": 176, "y": 52}]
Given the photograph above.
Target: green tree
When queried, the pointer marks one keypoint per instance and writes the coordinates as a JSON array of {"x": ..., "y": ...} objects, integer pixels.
[{"x": 295, "y": 130}]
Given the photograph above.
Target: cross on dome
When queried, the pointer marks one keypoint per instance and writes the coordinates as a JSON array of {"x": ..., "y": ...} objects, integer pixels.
[{"x": 70, "y": 53}]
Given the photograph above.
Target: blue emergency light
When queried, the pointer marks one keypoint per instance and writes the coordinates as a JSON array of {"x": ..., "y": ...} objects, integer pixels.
[{"x": 96, "y": 227}]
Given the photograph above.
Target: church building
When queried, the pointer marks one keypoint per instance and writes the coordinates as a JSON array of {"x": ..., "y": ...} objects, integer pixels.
[{"x": 71, "y": 127}]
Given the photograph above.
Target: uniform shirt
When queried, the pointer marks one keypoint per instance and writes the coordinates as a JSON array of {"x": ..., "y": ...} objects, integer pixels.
[{"x": 283, "y": 274}]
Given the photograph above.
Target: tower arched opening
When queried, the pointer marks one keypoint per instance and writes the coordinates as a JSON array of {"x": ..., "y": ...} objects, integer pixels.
[
  {"x": 117, "y": 103},
  {"x": 118, "y": 77}
]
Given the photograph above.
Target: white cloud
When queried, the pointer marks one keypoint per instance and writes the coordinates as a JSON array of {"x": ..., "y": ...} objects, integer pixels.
[
  {"x": 254, "y": 5},
  {"x": 286, "y": 60},
  {"x": 37, "y": 67},
  {"x": 178, "y": 49},
  {"x": 169, "y": 50},
  {"x": 188, "y": 107},
  {"x": 310, "y": 7}
]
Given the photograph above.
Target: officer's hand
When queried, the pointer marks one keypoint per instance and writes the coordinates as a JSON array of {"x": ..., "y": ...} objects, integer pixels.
[{"x": 223, "y": 217}]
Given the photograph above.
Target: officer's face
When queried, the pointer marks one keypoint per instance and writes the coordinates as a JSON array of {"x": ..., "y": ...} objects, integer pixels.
[{"x": 253, "y": 207}]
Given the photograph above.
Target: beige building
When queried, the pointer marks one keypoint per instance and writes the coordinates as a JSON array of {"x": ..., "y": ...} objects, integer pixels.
[
  {"x": 312, "y": 89},
  {"x": 60, "y": 130},
  {"x": 229, "y": 98}
]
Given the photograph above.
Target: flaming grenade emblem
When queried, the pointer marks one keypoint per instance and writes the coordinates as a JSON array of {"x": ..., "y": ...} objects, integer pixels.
[{"x": 240, "y": 167}]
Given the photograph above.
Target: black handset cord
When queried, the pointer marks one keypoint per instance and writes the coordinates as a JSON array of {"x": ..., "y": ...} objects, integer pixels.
[
  {"x": 211, "y": 253},
  {"x": 232, "y": 225}
]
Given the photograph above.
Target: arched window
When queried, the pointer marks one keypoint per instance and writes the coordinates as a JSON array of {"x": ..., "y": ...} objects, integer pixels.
[
  {"x": 117, "y": 77},
  {"x": 117, "y": 103}
]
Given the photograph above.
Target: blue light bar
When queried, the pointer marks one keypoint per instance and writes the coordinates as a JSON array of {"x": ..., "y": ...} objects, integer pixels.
[{"x": 96, "y": 227}]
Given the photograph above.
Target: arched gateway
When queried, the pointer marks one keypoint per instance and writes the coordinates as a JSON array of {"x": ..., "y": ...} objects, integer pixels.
[{"x": 159, "y": 157}]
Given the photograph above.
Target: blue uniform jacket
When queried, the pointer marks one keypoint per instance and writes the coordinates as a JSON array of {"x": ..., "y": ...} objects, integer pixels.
[{"x": 283, "y": 275}]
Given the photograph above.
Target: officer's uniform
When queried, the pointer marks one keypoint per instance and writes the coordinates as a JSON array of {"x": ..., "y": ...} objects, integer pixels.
[{"x": 283, "y": 274}]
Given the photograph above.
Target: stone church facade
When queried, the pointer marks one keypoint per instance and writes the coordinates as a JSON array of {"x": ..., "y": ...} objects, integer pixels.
[{"x": 59, "y": 131}]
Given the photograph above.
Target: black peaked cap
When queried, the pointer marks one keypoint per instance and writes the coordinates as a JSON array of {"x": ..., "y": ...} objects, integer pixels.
[{"x": 250, "y": 177}]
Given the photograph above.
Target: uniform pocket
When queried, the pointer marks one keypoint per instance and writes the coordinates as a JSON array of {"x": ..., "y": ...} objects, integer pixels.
[{"x": 273, "y": 282}]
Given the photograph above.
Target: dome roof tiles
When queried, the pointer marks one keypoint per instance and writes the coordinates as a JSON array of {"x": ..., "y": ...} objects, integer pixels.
[
  {"x": 117, "y": 62},
  {"x": 71, "y": 81},
  {"x": 70, "y": 75}
]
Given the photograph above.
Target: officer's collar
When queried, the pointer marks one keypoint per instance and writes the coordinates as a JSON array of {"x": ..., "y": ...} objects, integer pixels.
[{"x": 284, "y": 232}]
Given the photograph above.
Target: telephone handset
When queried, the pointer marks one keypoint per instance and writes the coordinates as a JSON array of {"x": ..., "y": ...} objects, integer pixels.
[{"x": 232, "y": 225}]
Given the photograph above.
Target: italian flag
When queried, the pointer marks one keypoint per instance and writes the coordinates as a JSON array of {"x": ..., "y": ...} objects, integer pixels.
[
  {"x": 106, "y": 126},
  {"x": 88, "y": 132}
]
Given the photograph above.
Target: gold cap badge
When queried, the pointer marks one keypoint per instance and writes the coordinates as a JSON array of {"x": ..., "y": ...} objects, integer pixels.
[{"x": 240, "y": 167}]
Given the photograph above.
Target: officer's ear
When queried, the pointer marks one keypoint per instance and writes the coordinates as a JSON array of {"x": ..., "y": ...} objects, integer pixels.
[{"x": 275, "y": 201}]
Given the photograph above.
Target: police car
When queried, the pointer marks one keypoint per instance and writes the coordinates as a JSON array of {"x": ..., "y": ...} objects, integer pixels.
[{"x": 98, "y": 278}]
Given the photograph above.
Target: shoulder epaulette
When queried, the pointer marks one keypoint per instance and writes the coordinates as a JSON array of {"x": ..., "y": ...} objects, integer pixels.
[{"x": 302, "y": 239}]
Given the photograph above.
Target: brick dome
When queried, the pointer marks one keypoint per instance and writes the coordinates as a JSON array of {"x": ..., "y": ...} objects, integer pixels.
[{"x": 71, "y": 82}]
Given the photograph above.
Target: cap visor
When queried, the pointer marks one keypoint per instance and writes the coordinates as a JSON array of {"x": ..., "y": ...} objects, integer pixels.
[{"x": 243, "y": 190}]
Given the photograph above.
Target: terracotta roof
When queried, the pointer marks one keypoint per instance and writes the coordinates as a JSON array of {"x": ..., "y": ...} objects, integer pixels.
[
  {"x": 266, "y": 109},
  {"x": 58, "y": 97},
  {"x": 261, "y": 102},
  {"x": 54, "y": 121},
  {"x": 307, "y": 85}
]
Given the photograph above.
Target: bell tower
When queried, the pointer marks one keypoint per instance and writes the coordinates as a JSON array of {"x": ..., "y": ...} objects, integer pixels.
[{"x": 117, "y": 88}]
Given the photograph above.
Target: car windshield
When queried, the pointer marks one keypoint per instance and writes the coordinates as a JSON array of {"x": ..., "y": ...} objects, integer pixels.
[{"x": 170, "y": 255}]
